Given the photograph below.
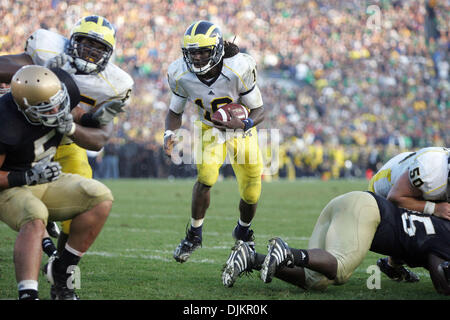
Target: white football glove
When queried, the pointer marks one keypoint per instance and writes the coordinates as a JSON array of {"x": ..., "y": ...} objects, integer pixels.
[
  {"x": 63, "y": 61},
  {"x": 106, "y": 113},
  {"x": 43, "y": 172},
  {"x": 67, "y": 126}
]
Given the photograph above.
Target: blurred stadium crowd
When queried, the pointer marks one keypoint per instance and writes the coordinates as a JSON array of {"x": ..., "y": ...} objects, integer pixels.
[{"x": 346, "y": 88}]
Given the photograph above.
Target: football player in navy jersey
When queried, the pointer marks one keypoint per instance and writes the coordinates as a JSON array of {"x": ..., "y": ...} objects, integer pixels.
[
  {"x": 33, "y": 190},
  {"x": 348, "y": 227},
  {"x": 105, "y": 89},
  {"x": 416, "y": 181}
]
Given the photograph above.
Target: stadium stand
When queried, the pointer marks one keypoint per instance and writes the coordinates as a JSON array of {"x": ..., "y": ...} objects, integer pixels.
[{"x": 345, "y": 95}]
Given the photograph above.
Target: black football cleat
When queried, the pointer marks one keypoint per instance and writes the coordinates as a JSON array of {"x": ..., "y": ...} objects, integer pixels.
[
  {"x": 397, "y": 273},
  {"x": 59, "y": 289},
  {"x": 279, "y": 254},
  {"x": 241, "y": 259},
  {"x": 188, "y": 245},
  {"x": 249, "y": 238}
]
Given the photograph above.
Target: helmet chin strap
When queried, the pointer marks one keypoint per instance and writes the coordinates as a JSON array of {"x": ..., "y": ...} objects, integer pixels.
[{"x": 207, "y": 67}]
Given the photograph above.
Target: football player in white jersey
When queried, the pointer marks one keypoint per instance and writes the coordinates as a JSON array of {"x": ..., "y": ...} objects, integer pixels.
[
  {"x": 211, "y": 74},
  {"x": 104, "y": 87},
  {"x": 416, "y": 181}
]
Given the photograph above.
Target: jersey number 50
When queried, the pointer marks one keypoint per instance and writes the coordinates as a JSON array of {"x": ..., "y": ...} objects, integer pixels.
[{"x": 417, "y": 182}]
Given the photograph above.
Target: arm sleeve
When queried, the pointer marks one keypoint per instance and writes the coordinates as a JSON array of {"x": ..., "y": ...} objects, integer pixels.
[{"x": 43, "y": 45}]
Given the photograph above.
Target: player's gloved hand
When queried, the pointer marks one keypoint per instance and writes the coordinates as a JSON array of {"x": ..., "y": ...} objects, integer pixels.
[
  {"x": 169, "y": 142},
  {"x": 44, "y": 171},
  {"x": 63, "y": 61},
  {"x": 106, "y": 113},
  {"x": 235, "y": 123},
  {"x": 67, "y": 126}
]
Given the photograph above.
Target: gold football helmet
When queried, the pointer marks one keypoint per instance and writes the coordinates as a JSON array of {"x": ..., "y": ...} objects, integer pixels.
[
  {"x": 91, "y": 44},
  {"x": 40, "y": 95},
  {"x": 202, "y": 36}
]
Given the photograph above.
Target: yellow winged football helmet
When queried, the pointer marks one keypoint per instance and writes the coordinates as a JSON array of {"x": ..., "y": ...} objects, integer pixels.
[
  {"x": 92, "y": 43},
  {"x": 202, "y": 36}
]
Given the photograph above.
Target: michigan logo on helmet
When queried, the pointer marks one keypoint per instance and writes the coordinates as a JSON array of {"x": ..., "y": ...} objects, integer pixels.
[
  {"x": 91, "y": 44},
  {"x": 40, "y": 95},
  {"x": 202, "y": 47}
]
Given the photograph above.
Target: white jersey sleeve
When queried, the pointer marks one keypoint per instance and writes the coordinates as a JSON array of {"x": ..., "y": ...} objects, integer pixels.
[
  {"x": 429, "y": 173},
  {"x": 43, "y": 45},
  {"x": 244, "y": 66},
  {"x": 179, "y": 96}
]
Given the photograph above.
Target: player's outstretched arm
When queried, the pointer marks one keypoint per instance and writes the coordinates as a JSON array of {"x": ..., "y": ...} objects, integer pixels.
[
  {"x": 92, "y": 138},
  {"x": 9, "y": 64}
]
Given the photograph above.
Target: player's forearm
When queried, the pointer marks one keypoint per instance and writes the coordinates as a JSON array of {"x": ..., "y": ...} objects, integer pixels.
[
  {"x": 9, "y": 65},
  {"x": 257, "y": 115},
  {"x": 173, "y": 120},
  {"x": 92, "y": 138},
  {"x": 407, "y": 202}
]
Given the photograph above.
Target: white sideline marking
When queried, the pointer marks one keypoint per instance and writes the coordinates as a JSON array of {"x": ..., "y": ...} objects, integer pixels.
[
  {"x": 211, "y": 216},
  {"x": 146, "y": 257},
  {"x": 263, "y": 237}
]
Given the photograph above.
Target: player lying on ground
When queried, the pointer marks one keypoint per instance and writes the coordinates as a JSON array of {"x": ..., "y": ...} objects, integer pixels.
[
  {"x": 348, "y": 227},
  {"x": 417, "y": 181}
]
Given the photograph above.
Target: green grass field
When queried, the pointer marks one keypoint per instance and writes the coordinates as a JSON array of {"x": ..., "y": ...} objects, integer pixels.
[{"x": 132, "y": 257}]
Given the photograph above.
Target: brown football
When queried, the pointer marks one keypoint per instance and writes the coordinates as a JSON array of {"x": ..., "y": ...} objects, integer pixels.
[{"x": 237, "y": 110}]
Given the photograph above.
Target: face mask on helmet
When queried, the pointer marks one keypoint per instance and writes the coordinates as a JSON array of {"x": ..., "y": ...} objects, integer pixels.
[
  {"x": 91, "y": 44},
  {"x": 202, "y": 47},
  {"x": 49, "y": 113},
  {"x": 4, "y": 88},
  {"x": 40, "y": 96}
]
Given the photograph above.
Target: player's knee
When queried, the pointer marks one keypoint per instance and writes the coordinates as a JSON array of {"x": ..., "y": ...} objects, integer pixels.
[
  {"x": 208, "y": 178},
  {"x": 35, "y": 226},
  {"x": 251, "y": 193},
  {"x": 343, "y": 273},
  {"x": 315, "y": 281},
  {"x": 33, "y": 210},
  {"x": 96, "y": 191}
]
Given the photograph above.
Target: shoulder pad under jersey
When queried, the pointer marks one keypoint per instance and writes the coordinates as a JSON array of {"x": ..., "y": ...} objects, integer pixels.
[
  {"x": 175, "y": 71},
  {"x": 429, "y": 173},
  {"x": 244, "y": 67},
  {"x": 43, "y": 45},
  {"x": 120, "y": 80}
]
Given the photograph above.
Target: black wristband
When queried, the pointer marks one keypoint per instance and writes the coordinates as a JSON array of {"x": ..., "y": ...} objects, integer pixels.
[
  {"x": 87, "y": 120},
  {"x": 16, "y": 179}
]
